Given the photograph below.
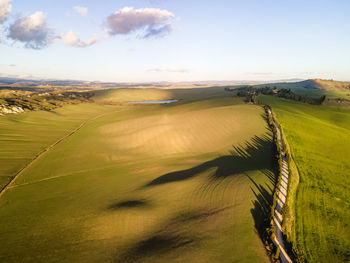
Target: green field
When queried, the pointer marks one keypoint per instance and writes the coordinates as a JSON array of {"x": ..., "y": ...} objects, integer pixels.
[
  {"x": 24, "y": 135},
  {"x": 189, "y": 181},
  {"x": 320, "y": 145}
]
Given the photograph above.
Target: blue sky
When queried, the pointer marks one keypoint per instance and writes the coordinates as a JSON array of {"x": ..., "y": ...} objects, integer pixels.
[{"x": 187, "y": 40}]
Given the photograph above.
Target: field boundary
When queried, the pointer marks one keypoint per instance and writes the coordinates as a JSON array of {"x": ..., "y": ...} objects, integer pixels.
[
  {"x": 41, "y": 153},
  {"x": 288, "y": 212},
  {"x": 281, "y": 192}
]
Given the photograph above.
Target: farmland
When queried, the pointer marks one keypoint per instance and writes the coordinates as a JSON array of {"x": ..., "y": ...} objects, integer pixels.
[
  {"x": 189, "y": 181},
  {"x": 319, "y": 140}
]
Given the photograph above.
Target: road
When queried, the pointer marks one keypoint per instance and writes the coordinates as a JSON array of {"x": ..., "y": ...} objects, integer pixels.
[{"x": 282, "y": 194}]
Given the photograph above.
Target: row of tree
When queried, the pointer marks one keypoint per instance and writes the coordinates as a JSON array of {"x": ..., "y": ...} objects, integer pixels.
[{"x": 251, "y": 92}]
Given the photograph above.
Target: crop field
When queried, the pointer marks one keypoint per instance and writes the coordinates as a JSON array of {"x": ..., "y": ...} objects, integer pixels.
[
  {"x": 131, "y": 94},
  {"x": 320, "y": 145},
  {"x": 24, "y": 135},
  {"x": 189, "y": 181}
]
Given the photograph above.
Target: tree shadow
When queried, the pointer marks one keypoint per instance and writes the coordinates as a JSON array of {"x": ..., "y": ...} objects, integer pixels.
[
  {"x": 129, "y": 204},
  {"x": 159, "y": 243},
  {"x": 271, "y": 175},
  {"x": 172, "y": 237},
  {"x": 261, "y": 210},
  {"x": 253, "y": 155},
  {"x": 198, "y": 214},
  {"x": 256, "y": 154}
]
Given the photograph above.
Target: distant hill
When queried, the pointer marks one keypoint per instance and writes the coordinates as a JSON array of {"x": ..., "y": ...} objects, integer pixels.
[
  {"x": 325, "y": 84},
  {"x": 311, "y": 86},
  {"x": 23, "y": 83}
]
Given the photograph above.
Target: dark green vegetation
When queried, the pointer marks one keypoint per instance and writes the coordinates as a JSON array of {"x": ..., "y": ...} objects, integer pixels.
[
  {"x": 312, "y": 91},
  {"x": 315, "y": 88},
  {"x": 186, "y": 182},
  {"x": 318, "y": 137},
  {"x": 252, "y": 92}
]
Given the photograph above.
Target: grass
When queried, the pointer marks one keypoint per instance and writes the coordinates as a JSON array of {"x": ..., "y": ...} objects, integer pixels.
[
  {"x": 131, "y": 94},
  {"x": 290, "y": 206},
  {"x": 184, "y": 94},
  {"x": 319, "y": 141},
  {"x": 24, "y": 135},
  {"x": 189, "y": 181}
]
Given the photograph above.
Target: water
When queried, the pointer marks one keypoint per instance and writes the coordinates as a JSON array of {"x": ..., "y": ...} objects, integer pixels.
[{"x": 153, "y": 101}]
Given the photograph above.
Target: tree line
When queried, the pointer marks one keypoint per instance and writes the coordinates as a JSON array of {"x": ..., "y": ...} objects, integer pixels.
[{"x": 252, "y": 92}]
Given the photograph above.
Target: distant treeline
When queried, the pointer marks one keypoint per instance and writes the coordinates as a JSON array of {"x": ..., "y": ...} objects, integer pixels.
[{"x": 251, "y": 92}]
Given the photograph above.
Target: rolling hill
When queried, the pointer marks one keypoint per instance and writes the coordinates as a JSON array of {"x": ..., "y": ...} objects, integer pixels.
[{"x": 186, "y": 182}]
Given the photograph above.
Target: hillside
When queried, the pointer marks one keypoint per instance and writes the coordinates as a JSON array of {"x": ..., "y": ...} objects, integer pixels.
[
  {"x": 312, "y": 84},
  {"x": 185, "y": 182},
  {"x": 323, "y": 84},
  {"x": 314, "y": 88},
  {"x": 12, "y": 101}
]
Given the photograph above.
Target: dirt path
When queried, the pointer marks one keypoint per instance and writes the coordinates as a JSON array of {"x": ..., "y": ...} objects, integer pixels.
[
  {"x": 38, "y": 155},
  {"x": 282, "y": 193}
]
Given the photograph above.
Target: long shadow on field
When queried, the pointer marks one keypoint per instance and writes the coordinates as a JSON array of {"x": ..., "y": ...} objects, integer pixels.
[
  {"x": 173, "y": 238},
  {"x": 261, "y": 210},
  {"x": 129, "y": 204},
  {"x": 253, "y": 155}
]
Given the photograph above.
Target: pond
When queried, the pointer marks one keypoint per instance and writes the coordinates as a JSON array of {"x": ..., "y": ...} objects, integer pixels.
[{"x": 153, "y": 101}]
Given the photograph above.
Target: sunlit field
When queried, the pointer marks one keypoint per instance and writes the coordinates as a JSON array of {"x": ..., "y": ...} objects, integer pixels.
[
  {"x": 319, "y": 140},
  {"x": 189, "y": 181}
]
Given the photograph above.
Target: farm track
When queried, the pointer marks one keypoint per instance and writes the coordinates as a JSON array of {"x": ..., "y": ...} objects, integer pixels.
[
  {"x": 282, "y": 194},
  {"x": 38, "y": 155}
]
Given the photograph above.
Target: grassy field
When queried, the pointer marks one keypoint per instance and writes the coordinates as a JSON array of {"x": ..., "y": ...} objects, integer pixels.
[
  {"x": 131, "y": 94},
  {"x": 115, "y": 96},
  {"x": 183, "y": 182},
  {"x": 24, "y": 135},
  {"x": 320, "y": 145}
]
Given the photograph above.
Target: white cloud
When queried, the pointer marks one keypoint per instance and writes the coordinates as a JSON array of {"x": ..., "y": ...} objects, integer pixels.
[
  {"x": 31, "y": 30},
  {"x": 152, "y": 21},
  {"x": 5, "y": 9},
  {"x": 72, "y": 39},
  {"x": 172, "y": 70},
  {"x": 83, "y": 11}
]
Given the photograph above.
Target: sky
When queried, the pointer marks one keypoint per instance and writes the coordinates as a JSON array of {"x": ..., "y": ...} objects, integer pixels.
[{"x": 175, "y": 40}]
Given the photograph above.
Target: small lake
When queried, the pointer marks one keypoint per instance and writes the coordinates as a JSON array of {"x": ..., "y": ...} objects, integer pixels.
[{"x": 153, "y": 101}]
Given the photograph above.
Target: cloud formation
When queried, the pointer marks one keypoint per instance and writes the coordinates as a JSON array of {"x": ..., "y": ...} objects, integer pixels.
[
  {"x": 151, "y": 21},
  {"x": 171, "y": 70},
  {"x": 83, "y": 11},
  {"x": 34, "y": 33},
  {"x": 72, "y": 39},
  {"x": 31, "y": 30},
  {"x": 5, "y": 9},
  {"x": 159, "y": 32}
]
